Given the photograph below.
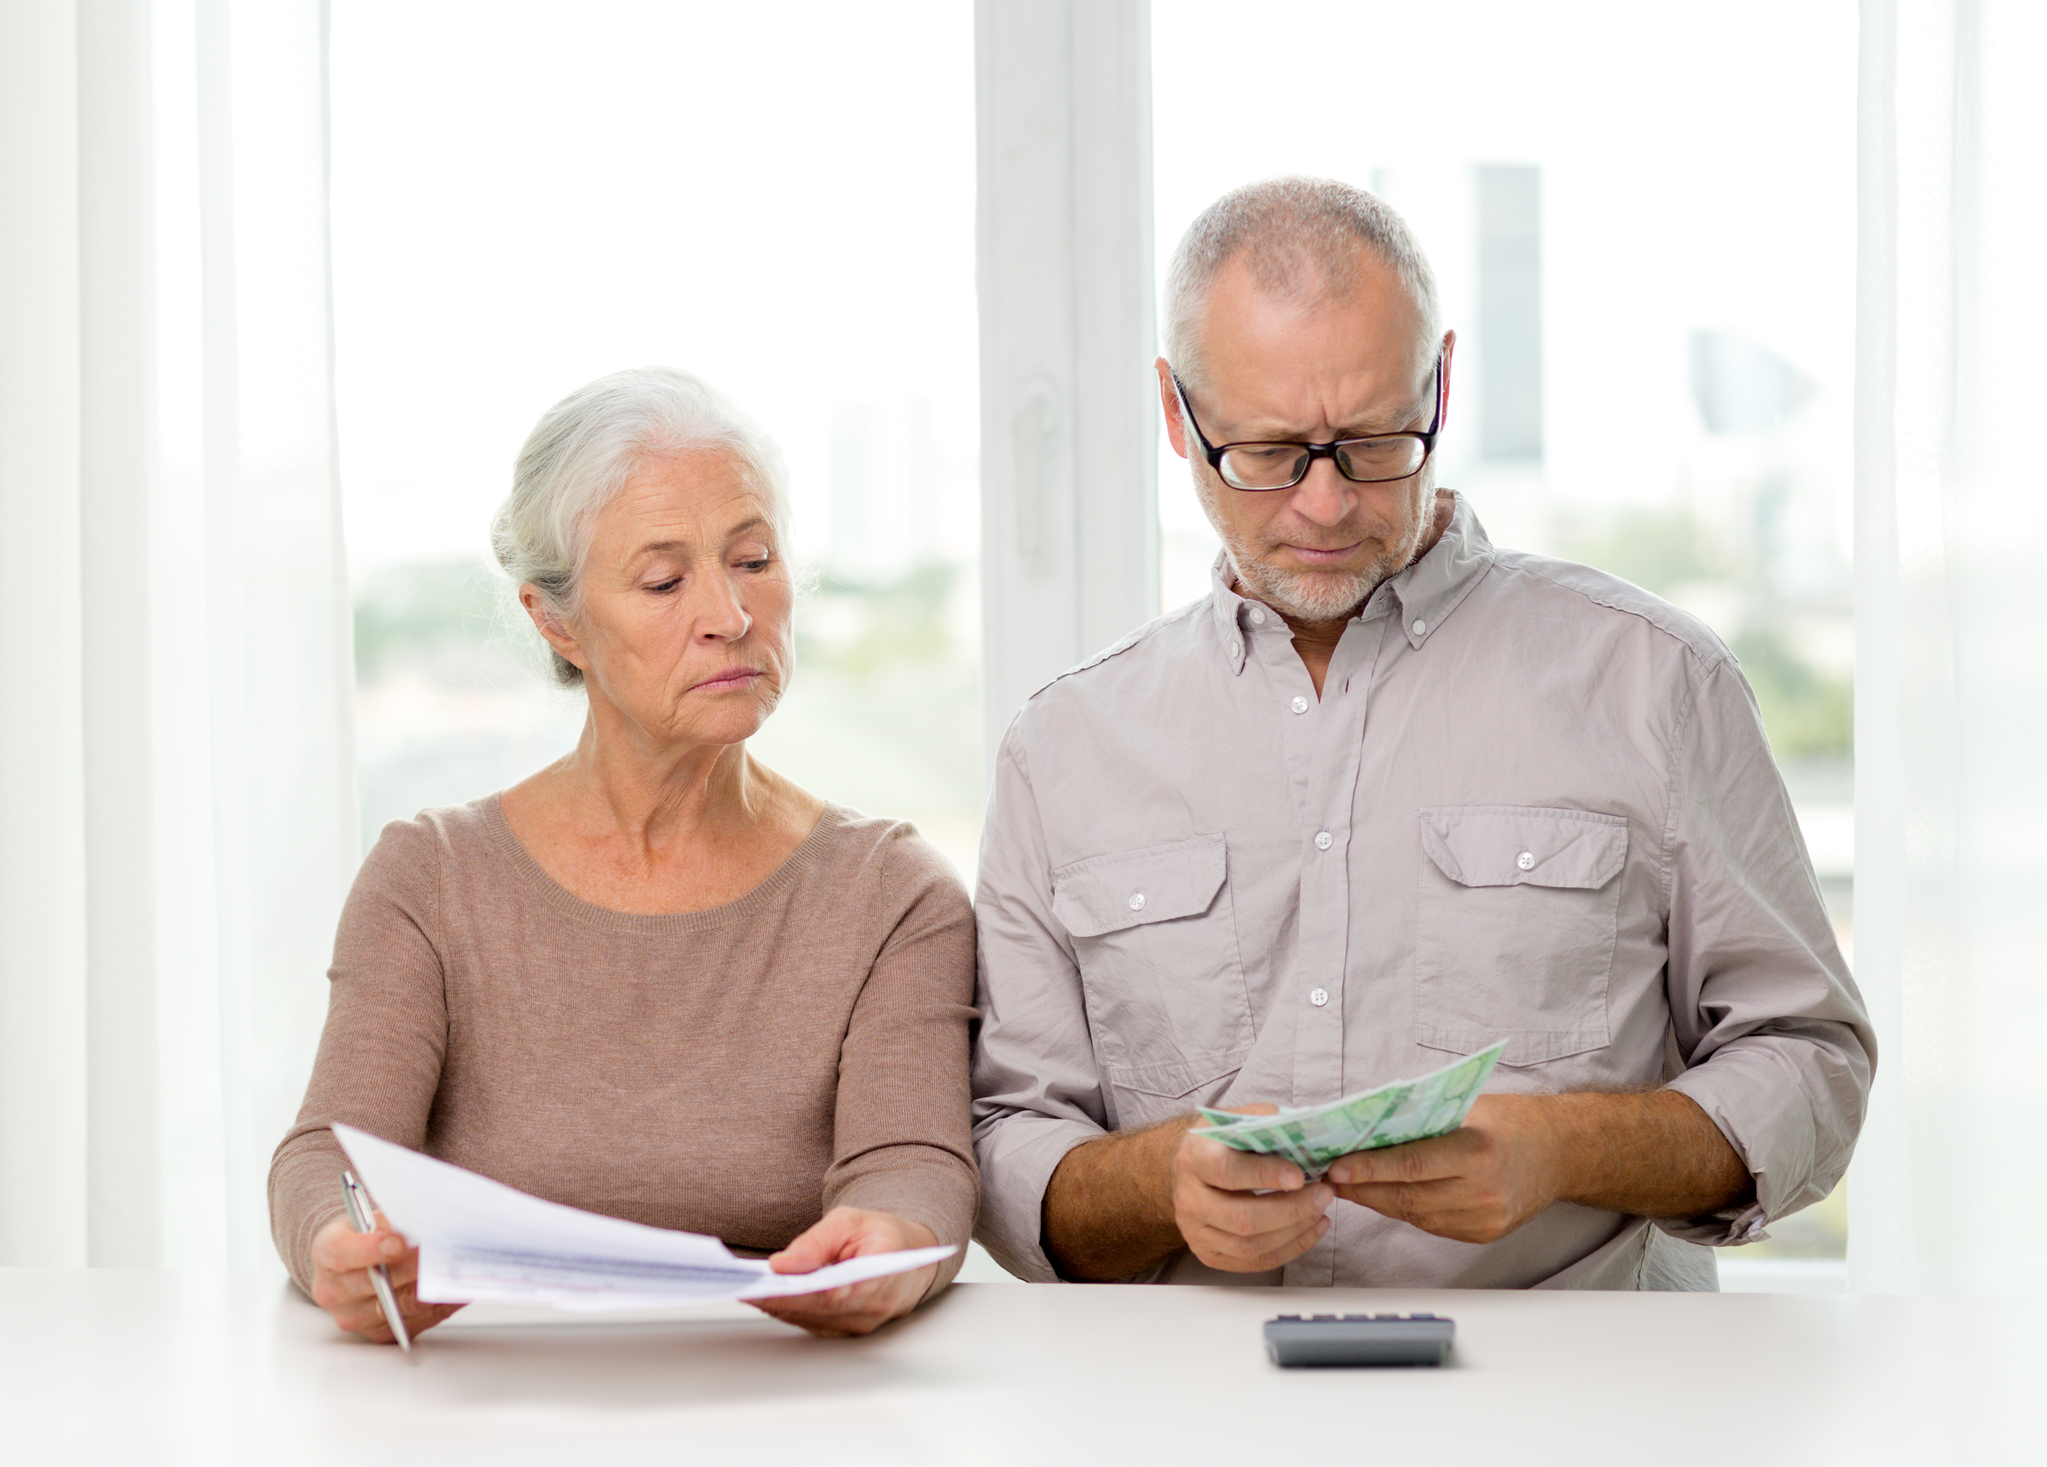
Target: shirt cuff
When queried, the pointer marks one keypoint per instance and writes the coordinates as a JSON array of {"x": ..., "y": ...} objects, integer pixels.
[
  {"x": 1019, "y": 1153},
  {"x": 1767, "y": 1118}
]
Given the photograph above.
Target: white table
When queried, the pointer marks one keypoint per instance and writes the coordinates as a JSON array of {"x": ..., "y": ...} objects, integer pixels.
[{"x": 138, "y": 1367}]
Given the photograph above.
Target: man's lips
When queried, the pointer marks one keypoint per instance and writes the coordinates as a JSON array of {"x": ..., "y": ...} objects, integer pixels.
[
  {"x": 1310, "y": 555},
  {"x": 727, "y": 681}
]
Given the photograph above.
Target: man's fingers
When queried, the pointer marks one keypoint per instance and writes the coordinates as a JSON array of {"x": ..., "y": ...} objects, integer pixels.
[
  {"x": 1418, "y": 1161},
  {"x": 1449, "y": 1209},
  {"x": 1251, "y": 1216},
  {"x": 1257, "y": 1254},
  {"x": 1229, "y": 1170}
]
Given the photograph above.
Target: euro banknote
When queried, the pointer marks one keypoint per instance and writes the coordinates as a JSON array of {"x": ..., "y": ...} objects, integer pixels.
[{"x": 1313, "y": 1136}]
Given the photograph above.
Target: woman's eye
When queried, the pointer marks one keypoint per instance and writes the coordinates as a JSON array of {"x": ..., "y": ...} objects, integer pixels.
[
  {"x": 662, "y": 588},
  {"x": 757, "y": 565}
]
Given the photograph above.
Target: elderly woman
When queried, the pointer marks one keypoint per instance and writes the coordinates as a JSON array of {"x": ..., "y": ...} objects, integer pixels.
[{"x": 655, "y": 980}]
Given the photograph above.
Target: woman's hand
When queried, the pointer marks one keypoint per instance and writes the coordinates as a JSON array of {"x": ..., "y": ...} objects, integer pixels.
[
  {"x": 341, "y": 1280},
  {"x": 855, "y": 1309}
]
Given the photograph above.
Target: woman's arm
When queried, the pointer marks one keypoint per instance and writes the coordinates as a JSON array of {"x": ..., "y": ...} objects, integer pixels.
[
  {"x": 902, "y": 1173},
  {"x": 378, "y": 1067}
]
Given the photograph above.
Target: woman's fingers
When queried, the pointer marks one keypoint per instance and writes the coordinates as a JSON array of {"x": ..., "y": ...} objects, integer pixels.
[
  {"x": 836, "y": 1235},
  {"x": 342, "y": 1260}
]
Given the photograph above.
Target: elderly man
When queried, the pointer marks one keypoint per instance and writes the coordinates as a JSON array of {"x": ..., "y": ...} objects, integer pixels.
[{"x": 1388, "y": 795}]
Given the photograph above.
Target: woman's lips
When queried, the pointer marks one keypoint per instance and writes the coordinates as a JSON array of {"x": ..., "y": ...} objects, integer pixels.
[{"x": 728, "y": 681}]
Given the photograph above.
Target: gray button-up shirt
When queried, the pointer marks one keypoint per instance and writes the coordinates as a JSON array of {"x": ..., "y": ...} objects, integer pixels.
[{"x": 1533, "y": 803}]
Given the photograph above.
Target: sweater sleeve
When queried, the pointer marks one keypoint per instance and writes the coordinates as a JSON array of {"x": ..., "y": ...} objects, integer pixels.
[
  {"x": 902, "y": 1139},
  {"x": 380, "y": 1056}
]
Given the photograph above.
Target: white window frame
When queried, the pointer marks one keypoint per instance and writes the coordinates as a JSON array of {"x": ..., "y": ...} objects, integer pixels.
[{"x": 1069, "y": 449}]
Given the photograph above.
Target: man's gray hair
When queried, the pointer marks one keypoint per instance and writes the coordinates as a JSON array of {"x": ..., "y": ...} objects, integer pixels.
[
  {"x": 1300, "y": 238},
  {"x": 580, "y": 455}
]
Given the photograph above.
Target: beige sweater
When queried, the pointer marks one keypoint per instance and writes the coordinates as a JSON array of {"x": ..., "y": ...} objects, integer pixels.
[{"x": 736, "y": 1071}]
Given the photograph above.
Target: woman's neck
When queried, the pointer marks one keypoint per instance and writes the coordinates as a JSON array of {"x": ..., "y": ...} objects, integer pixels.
[{"x": 618, "y": 785}]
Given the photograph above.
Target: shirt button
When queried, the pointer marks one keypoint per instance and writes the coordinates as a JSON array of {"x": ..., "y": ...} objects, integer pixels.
[
  {"x": 1137, "y": 901},
  {"x": 1299, "y": 705},
  {"x": 1526, "y": 860},
  {"x": 1257, "y": 616},
  {"x": 1324, "y": 840},
  {"x": 1420, "y": 626},
  {"x": 1319, "y": 997}
]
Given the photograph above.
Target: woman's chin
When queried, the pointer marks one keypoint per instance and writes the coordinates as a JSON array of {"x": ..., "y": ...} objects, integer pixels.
[{"x": 736, "y": 721}]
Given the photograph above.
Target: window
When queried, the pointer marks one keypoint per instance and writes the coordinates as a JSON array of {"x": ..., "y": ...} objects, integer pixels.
[
  {"x": 778, "y": 197},
  {"x": 1639, "y": 218}
]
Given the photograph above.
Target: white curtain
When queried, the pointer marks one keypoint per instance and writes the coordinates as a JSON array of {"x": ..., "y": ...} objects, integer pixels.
[
  {"x": 1949, "y": 1187},
  {"x": 176, "y": 798}
]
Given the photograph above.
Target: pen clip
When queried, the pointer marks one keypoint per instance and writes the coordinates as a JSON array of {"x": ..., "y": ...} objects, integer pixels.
[{"x": 359, "y": 1215}]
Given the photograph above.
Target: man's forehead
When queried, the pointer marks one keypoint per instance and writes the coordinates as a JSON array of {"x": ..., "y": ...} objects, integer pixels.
[{"x": 1311, "y": 354}]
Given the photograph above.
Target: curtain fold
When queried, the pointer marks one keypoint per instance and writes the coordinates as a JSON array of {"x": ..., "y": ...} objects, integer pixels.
[
  {"x": 1951, "y": 661},
  {"x": 177, "y": 819}
]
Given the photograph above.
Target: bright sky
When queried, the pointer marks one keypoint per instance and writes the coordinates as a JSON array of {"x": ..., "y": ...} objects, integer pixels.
[
  {"x": 1698, "y": 170},
  {"x": 781, "y": 197},
  {"x": 777, "y": 196}
]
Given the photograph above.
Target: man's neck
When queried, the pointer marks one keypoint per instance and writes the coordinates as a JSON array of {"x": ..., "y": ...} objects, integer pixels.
[{"x": 1316, "y": 641}]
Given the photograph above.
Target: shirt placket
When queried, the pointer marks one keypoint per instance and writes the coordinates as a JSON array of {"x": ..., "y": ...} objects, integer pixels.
[{"x": 1321, "y": 738}]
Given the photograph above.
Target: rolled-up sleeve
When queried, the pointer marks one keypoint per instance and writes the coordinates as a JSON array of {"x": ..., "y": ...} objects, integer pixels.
[
  {"x": 1037, "y": 1090},
  {"x": 1775, "y": 1038}
]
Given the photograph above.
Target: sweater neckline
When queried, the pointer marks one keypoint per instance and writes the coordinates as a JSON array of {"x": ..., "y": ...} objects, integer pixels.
[{"x": 530, "y": 872}]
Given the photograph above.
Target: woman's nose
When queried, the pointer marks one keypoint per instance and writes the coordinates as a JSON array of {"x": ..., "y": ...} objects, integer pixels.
[{"x": 723, "y": 617}]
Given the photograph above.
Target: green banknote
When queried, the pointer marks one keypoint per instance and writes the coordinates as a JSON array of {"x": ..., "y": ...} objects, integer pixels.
[{"x": 1313, "y": 1136}]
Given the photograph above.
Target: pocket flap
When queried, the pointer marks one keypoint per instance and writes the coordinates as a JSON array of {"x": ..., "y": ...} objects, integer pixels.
[
  {"x": 1128, "y": 888},
  {"x": 1518, "y": 845}
]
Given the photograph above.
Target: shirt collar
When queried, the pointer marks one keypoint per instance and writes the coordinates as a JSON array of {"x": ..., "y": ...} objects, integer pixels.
[{"x": 1424, "y": 595}]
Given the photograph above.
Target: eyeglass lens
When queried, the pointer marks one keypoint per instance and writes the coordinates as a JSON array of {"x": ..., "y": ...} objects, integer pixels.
[{"x": 1281, "y": 465}]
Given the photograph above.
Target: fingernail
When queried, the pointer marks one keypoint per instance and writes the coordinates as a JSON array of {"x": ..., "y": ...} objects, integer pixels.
[{"x": 392, "y": 1248}]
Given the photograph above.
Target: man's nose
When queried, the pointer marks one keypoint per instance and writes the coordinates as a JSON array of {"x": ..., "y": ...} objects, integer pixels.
[{"x": 1324, "y": 496}]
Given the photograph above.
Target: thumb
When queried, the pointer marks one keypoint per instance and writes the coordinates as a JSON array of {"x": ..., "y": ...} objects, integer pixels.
[{"x": 814, "y": 1247}]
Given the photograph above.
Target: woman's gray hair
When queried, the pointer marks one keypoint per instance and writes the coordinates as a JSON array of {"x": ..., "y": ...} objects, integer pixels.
[
  {"x": 580, "y": 455},
  {"x": 1300, "y": 237}
]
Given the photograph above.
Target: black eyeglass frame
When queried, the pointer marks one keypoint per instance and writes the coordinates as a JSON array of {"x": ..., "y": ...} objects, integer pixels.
[{"x": 1214, "y": 454}]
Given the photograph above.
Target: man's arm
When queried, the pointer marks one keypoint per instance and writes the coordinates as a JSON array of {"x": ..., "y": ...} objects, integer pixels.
[
  {"x": 1655, "y": 1154},
  {"x": 1118, "y": 1205}
]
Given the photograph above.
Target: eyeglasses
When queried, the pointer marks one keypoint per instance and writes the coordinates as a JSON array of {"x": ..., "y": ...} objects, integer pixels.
[{"x": 1258, "y": 467}]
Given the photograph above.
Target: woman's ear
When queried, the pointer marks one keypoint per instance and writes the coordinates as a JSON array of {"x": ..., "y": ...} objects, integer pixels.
[{"x": 551, "y": 626}]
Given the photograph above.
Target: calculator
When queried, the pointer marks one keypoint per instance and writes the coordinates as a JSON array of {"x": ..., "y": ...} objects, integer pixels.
[{"x": 1359, "y": 1339}]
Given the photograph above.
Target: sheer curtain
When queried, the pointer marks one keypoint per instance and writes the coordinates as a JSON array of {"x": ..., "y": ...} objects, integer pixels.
[
  {"x": 1951, "y": 695},
  {"x": 176, "y": 799}
]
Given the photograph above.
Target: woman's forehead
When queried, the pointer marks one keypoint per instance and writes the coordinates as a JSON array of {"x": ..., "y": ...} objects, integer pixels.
[{"x": 697, "y": 498}]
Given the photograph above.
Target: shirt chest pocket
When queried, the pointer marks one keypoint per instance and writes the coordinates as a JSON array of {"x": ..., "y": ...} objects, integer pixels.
[
  {"x": 1516, "y": 915},
  {"x": 1155, "y": 934}
]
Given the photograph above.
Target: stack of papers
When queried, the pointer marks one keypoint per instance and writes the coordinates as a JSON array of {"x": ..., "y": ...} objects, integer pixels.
[
  {"x": 1313, "y": 1136},
  {"x": 481, "y": 1241}
]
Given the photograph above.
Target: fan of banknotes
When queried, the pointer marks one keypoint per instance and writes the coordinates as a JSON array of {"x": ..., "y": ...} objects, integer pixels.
[{"x": 1312, "y": 1136}]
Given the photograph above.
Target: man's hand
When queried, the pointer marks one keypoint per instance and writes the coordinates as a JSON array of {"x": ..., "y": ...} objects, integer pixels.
[
  {"x": 1118, "y": 1205},
  {"x": 1225, "y": 1221},
  {"x": 1654, "y": 1154},
  {"x": 1477, "y": 1184}
]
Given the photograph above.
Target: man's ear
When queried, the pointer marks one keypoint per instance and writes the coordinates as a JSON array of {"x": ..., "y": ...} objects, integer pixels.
[
  {"x": 1443, "y": 401},
  {"x": 1169, "y": 404},
  {"x": 550, "y": 626}
]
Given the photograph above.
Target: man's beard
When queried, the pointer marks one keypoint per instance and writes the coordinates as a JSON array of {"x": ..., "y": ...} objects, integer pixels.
[{"x": 1309, "y": 595}]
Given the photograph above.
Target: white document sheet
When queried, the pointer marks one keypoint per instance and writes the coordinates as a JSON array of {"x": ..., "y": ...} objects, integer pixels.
[{"x": 481, "y": 1240}]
